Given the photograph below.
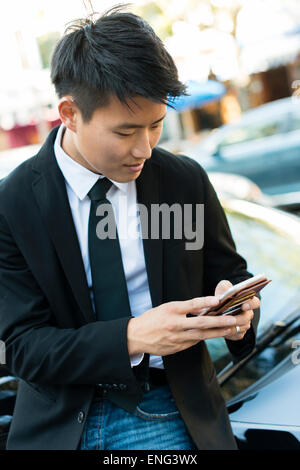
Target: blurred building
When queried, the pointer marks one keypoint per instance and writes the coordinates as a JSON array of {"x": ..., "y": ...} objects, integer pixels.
[{"x": 253, "y": 49}]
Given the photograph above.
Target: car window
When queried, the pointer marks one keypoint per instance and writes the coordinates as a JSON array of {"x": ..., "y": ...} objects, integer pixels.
[
  {"x": 173, "y": 128},
  {"x": 250, "y": 132},
  {"x": 272, "y": 252},
  {"x": 261, "y": 364}
]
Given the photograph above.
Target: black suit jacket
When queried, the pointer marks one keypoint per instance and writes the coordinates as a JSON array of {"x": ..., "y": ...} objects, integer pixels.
[{"x": 53, "y": 343}]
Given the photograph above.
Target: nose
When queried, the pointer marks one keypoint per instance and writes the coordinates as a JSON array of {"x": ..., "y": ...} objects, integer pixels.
[{"x": 142, "y": 147}]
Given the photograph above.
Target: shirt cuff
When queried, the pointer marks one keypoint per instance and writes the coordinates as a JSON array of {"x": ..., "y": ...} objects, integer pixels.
[{"x": 136, "y": 359}]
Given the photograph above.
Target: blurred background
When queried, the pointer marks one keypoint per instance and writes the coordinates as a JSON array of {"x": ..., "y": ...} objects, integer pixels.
[
  {"x": 236, "y": 56},
  {"x": 240, "y": 53}
]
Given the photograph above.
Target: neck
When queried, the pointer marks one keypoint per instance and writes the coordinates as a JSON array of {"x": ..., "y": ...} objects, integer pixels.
[{"x": 69, "y": 147}]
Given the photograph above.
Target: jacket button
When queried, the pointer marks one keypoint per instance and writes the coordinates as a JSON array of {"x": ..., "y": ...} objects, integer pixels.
[{"x": 80, "y": 417}]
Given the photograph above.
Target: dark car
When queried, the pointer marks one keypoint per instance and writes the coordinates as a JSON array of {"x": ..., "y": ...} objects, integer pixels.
[
  {"x": 262, "y": 390},
  {"x": 263, "y": 145},
  {"x": 236, "y": 186}
]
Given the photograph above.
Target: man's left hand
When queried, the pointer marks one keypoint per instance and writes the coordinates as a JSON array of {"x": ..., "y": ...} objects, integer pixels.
[{"x": 243, "y": 320}]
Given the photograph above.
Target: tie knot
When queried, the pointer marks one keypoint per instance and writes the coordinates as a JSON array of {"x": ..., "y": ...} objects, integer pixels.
[{"x": 99, "y": 190}]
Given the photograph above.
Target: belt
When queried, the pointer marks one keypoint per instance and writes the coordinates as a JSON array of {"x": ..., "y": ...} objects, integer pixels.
[{"x": 157, "y": 378}]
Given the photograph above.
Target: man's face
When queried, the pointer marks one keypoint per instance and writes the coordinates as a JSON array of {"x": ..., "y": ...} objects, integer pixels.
[{"x": 117, "y": 141}]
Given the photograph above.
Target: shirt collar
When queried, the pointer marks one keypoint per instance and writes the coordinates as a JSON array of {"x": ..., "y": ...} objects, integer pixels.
[{"x": 79, "y": 178}]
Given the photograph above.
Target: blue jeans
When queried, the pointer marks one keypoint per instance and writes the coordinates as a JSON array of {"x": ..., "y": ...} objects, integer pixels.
[{"x": 156, "y": 424}]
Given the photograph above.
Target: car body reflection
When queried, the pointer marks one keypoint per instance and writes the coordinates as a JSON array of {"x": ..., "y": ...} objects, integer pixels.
[
  {"x": 270, "y": 241},
  {"x": 263, "y": 145}
]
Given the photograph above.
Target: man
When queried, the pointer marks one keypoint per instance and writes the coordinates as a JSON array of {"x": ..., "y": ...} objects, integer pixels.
[{"x": 102, "y": 331}]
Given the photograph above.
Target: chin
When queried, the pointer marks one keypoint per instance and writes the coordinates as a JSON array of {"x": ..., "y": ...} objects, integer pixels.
[
  {"x": 135, "y": 176},
  {"x": 127, "y": 178}
]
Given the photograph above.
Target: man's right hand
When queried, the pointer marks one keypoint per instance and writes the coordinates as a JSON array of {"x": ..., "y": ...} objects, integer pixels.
[{"x": 165, "y": 329}]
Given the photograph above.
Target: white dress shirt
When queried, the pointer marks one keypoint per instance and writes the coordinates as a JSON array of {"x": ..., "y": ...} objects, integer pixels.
[{"x": 79, "y": 180}]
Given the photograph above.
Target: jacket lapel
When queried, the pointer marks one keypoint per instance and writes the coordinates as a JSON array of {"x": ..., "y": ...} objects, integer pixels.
[
  {"x": 148, "y": 193},
  {"x": 51, "y": 195}
]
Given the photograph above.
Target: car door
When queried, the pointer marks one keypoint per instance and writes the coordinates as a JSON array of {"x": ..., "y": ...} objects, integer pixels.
[
  {"x": 256, "y": 150},
  {"x": 290, "y": 169}
]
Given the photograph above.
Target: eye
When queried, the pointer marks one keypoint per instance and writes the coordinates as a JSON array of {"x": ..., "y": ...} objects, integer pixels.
[
  {"x": 123, "y": 135},
  {"x": 157, "y": 126}
]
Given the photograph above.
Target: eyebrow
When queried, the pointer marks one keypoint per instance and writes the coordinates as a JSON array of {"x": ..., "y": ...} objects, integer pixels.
[{"x": 127, "y": 125}]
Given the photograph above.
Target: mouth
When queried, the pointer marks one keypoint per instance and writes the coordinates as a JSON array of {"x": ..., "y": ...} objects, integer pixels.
[{"x": 135, "y": 167}]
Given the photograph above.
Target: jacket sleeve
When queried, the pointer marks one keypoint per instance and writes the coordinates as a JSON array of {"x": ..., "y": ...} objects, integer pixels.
[
  {"x": 37, "y": 350},
  {"x": 221, "y": 261}
]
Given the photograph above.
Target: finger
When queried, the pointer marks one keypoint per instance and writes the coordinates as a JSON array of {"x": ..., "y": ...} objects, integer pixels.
[
  {"x": 194, "y": 305},
  {"x": 251, "y": 304},
  {"x": 196, "y": 335},
  {"x": 236, "y": 335},
  {"x": 208, "y": 321},
  {"x": 222, "y": 286},
  {"x": 244, "y": 318}
]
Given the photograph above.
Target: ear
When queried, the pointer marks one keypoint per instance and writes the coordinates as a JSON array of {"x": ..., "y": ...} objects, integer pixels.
[{"x": 68, "y": 112}]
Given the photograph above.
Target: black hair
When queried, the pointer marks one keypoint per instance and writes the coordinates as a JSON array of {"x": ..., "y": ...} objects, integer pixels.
[{"x": 119, "y": 55}]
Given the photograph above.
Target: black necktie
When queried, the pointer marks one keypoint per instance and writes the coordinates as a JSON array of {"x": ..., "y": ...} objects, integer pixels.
[
  {"x": 109, "y": 286},
  {"x": 108, "y": 278}
]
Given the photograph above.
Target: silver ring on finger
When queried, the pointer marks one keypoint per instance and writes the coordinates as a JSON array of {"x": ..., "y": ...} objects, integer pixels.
[{"x": 238, "y": 330}]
